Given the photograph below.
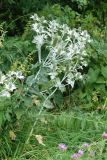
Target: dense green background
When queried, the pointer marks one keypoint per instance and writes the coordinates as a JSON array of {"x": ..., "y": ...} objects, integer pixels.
[{"x": 86, "y": 103}]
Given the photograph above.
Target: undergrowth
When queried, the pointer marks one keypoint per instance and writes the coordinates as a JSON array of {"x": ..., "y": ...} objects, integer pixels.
[{"x": 72, "y": 129}]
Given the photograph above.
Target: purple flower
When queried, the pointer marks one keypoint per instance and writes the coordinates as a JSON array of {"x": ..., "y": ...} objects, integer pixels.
[
  {"x": 104, "y": 135},
  {"x": 62, "y": 147},
  {"x": 85, "y": 145},
  {"x": 75, "y": 156},
  {"x": 80, "y": 152}
]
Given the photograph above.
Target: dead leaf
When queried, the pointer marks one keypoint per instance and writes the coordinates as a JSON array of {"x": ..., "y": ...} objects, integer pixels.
[
  {"x": 35, "y": 100},
  {"x": 39, "y": 139},
  {"x": 12, "y": 135},
  {"x": 43, "y": 120}
]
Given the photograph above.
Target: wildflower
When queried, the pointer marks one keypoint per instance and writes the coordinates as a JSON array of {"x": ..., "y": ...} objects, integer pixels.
[
  {"x": 2, "y": 79},
  {"x": 85, "y": 145},
  {"x": 19, "y": 75},
  {"x": 104, "y": 135},
  {"x": 10, "y": 86},
  {"x": 35, "y": 17},
  {"x": 80, "y": 152},
  {"x": 53, "y": 25},
  {"x": 35, "y": 27},
  {"x": 39, "y": 40},
  {"x": 62, "y": 147},
  {"x": 4, "y": 93},
  {"x": 75, "y": 156},
  {"x": 71, "y": 82},
  {"x": 53, "y": 75},
  {"x": 10, "y": 74},
  {"x": 60, "y": 85}
]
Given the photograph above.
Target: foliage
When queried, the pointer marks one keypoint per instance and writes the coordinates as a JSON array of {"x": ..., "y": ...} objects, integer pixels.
[
  {"x": 61, "y": 72},
  {"x": 64, "y": 57},
  {"x": 73, "y": 129},
  {"x": 13, "y": 52},
  {"x": 72, "y": 18},
  {"x": 93, "y": 94},
  {"x": 16, "y": 13},
  {"x": 7, "y": 88}
]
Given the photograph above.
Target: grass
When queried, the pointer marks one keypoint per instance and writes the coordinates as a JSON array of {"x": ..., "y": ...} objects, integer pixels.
[{"x": 73, "y": 129}]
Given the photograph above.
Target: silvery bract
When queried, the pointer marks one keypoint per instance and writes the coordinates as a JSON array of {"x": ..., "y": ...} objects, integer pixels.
[
  {"x": 7, "y": 82},
  {"x": 10, "y": 86},
  {"x": 4, "y": 93},
  {"x": 66, "y": 48},
  {"x": 2, "y": 78}
]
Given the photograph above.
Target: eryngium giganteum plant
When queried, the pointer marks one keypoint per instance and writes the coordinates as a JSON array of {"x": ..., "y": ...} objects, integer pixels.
[{"x": 66, "y": 49}]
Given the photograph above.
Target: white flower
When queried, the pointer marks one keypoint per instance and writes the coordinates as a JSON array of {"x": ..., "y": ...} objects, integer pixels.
[
  {"x": 35, "y": 26},
  {"x": 10, "y": 86},
  {"x": 4, "y": 93},
  {"x": 70, "y": 79},
  {"x": 10, "y": 74},
  {"x": 53, "y": 75},
  {"x": 59, "y": 85},
  {"x": 78, "y": 75},
  {"x": 71, "y": 82},
  {"x": 53, "y": 26},
  {"x": 2, "y": 78},
  {"x": 35, "y": 17},
  {"x": 38, "y": 40},
  {"x": 19, "y": 75}
]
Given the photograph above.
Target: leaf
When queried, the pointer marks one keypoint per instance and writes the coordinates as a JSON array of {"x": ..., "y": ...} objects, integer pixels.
[
  {"x": 1, "y": 118},
  {"x": 27, "y": 101},
  {"x": 93, "y": 75},
  {"x": 101, "y": 80},
  {"x": 19, "y": 113},
  {"x": 58, "y": 98},
  {"x": 104, "y": 71},
  {"x": 12, "y": 135},
  {"x": 39, "y": 139},
  {"x": 30, "y": 80},
  {"x": 48, "y": 104}
]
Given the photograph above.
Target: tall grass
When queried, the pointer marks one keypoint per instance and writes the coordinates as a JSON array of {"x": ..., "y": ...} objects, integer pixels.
[{"x": 73, "y": 129}]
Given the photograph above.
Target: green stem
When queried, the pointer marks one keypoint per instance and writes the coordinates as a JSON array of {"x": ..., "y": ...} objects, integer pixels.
[
  {"x": 34, "y": 124},
  {"x": 39, "y": 54}
]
